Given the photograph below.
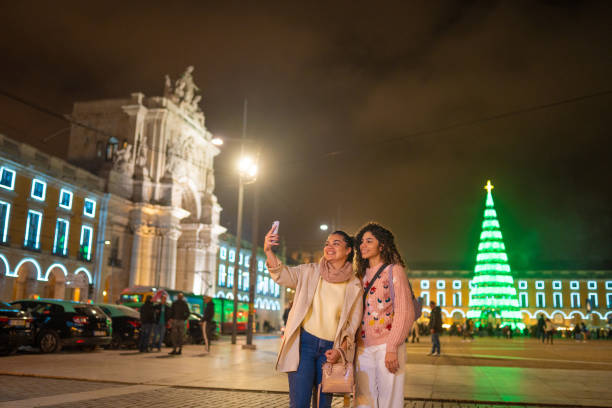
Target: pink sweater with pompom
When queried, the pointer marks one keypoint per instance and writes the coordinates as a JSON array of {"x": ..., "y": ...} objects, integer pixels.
[{"x": 385, "y": 321}]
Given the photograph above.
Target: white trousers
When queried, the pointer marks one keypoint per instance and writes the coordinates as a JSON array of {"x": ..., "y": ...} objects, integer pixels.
[{"x": 376, "y": 386}]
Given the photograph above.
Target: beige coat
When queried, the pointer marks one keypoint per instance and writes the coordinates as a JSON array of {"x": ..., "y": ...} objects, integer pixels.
[{"x": 304, "y": 279}]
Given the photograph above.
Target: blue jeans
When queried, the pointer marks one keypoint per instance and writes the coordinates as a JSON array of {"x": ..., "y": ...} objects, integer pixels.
[
  {"x": 145, "y": 335},
  {"x": 435, "y": 343},
  {"x": 309, "y": 372},
  {"x": 159, "y": 332}
]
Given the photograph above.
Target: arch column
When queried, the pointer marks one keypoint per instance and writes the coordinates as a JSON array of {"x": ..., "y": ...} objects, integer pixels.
[
  {"x": 140, "y": 263},
  {"x": 169, "y": 242}
]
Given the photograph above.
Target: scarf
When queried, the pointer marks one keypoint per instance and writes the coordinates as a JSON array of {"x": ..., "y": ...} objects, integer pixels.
[{"x": 332, "y": 275}]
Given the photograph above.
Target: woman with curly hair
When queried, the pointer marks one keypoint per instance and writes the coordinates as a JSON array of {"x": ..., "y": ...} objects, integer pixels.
[
  {"x": 387, "y": 318},
  {"x": 325, "y": 316}
]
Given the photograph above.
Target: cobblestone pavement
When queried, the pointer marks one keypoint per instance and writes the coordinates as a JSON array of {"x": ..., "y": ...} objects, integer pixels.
[{"x": 20, "y": 392}]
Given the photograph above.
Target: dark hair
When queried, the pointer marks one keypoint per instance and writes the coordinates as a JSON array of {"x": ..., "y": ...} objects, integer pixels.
[
  {"x": 389, "y": 253},
  {"x": 349, "y": 241}
]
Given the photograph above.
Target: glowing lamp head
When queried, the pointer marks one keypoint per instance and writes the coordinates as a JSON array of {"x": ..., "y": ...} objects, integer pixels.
[
  {"x": 217, "y": 141},
  {"x": 323, "y": 227}
]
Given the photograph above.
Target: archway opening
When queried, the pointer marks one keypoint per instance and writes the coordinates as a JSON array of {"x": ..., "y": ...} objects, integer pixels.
[
  {"x": 55, "y": 287},
  {"x": 26, "y": 285}
]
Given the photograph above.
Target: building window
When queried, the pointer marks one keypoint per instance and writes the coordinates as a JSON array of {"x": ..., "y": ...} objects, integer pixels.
[
  {"x": 232, "y": 255},
  {"x": 60, "y": 244},
  {"x": 425, "y": 296},
  {"x": 230, "y": 276},
  {"x": 85, "y": 243},
  {"x": 260, "y": 266},
  {"x": 240, "y": 259},
  {"x": 89, "y": 209},
  {"x": 457, "y": 299},
  {"x": 245, "y": 280},
  {"x": 39, "y": 190},
  {"x": 456, "y": 284},
  {"x": 557, "y": 299},
  {"x": 32, "y": 233},
  {"x": 575, "y": 300},
  {"x": 271, "y": 286},
  {"x": 5, "y": 211},
  {"x": 522, "y": 284},
  {"x": 111, "y": 148},
  {"x": 424, "y": 284},
  {"x": 440, "y": 284},
  {"x": 471, "y": 284},
  {"x": 574, "y": 285},
  {"x": 276, "y": 290},
  {"x": 540, "y": 300},
  {"x": 539, "y": 285},
  {"x": 265, "y": 285},
  {"x": 441, "y": 299},
  {"x": 523, "y": 299},
  {"x": 259, "y": 284},
  {"x": 65, "y": 200},
  {"x": 221, "y": 279},
  {"x": 7, "y": 178},
  {"x": 247, "y": 259},
  {"x": 593, "y": 300},
  {"x": 609, "y": 300},
  {"x": 609, "y": 285},
  {"x": 223, "y": 253},
  {"x": 592, "y": 285},
  {"x": 556, "y": 285}
]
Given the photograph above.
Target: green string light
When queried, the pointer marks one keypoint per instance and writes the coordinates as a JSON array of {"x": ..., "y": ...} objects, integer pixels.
[{"x": 493, "y": 295}]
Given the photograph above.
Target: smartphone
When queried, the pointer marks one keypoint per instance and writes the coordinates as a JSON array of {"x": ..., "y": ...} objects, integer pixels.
[{"x": 275, "y": 225}]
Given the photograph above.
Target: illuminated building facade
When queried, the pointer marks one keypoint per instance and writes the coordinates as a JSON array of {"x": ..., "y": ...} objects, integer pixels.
[
  {"x": 269, "y": 295},
  {"x": 149, "y": 165},
  {"x": 560, "y": 295},
  {"x": 49, "y": 225}
]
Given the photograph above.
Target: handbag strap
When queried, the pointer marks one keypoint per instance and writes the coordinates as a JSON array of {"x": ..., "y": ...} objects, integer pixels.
[{"x": 365, "y": 293}]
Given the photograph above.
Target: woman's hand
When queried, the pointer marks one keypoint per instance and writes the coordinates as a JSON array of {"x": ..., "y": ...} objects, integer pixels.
[
  {"x": 271, "y": 240},
  {"x": 332, "y": 355},
  {"x": 391, "y": 362}
]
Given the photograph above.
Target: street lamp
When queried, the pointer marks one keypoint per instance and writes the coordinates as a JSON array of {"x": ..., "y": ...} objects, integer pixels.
[{"x": 323, "y": 227}]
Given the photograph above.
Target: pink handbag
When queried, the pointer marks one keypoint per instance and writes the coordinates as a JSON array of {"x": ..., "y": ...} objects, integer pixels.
[{"x": 338, "y": 377}]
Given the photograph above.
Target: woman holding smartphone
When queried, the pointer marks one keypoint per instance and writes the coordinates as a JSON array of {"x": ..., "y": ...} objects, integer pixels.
[
  {"x": 388, "y": 316},
  {"x": 326, "y": 312}
]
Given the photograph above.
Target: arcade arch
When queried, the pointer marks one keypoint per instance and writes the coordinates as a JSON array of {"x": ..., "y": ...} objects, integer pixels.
[{"x": 28, "y": 271}]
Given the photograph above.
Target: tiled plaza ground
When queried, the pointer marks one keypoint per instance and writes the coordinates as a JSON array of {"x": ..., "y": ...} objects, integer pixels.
[{"x": 517, "y": 371}]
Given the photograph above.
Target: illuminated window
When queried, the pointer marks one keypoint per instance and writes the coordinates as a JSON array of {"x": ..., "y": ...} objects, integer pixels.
[
  {"x": 260, "y": 266},
  {"x": 89, "y": 208},
  {"x": 265, "y": 285},
  {"x": 593, "y": 299},
  {"x": 65, "y": 199},
  {"x": 271, "y": 286},
  {"x": 223, "y": 253},
  {"x": 32, "y": 233},
  {"x": 523, "y": 299},
  {"x": 39, "y": 190},
  {"x": 522, "y": 284},
  {"x": 471, "y": 284},
  {"x": 239, "y": 279},
  {"x": 539, "y": 285},
  {"x": 557, "y": 299},
  {"x": 60, "y": 243},
  {"x": 457, "y": 299},
  {"x": 232, "y": 255},
  {"x": 7, "y": 178},
  {"x": 440, "y": 284},
  {"x": 574, "y": 285},
  {"x": 592, "y": 285},
  {"x": 424, "y": 284},
  {"x": 247, "y": 259},
  {"x": 540, "y": 300},
  {"x": 230, "y": 275},
  {"x": 425, "y": 296},
  {"x": 441, "y": 299},
  {"x": 456, "y": 284},
  {"x": 609, "y": 300},
  {"x": 556, "y": 285},
  {"x": 5, "y": 211},
  {"x": 245, "y": 280},
  {"x": 276, "y": 290},
  {"x": 259, "y": 284},
  {"x": 85, "y": 243},
  {"x": 221, "y": 279},
  {"x": 575, "y": 300},
  {"x": 609, "y": 285},
  {"x": 240, "y": 259}
]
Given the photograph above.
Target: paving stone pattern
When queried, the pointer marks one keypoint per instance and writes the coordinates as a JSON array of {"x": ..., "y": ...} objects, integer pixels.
[{"x": 17, "y": 387}]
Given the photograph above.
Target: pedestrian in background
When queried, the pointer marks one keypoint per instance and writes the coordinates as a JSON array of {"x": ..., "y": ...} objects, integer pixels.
[
  {"x": 541, "y": 328},
  {"x": 550, "y": 330},
  {"x": 207, "y": 317},
  {"x": 161, "y": 317},
  {"x": 388, "y": 317},
  {"x": 179, "y": 313},
  {"x": 327, "y": 309},
  {"x": 415, "y": 332},
  {"x": 147, "y": 319},
  {"x": 286, "y": 312},
  {"x": 435, "y": 328}
]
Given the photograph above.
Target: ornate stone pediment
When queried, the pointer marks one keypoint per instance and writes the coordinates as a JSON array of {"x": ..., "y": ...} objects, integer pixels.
[{"x": 185, "y": 93}]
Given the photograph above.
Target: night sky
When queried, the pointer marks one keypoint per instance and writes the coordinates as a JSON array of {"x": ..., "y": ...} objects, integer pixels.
[{"x": 395, "y": 112}]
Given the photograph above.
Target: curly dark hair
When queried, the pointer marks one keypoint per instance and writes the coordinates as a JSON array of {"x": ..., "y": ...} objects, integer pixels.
[{"x": 389, "y": 252}]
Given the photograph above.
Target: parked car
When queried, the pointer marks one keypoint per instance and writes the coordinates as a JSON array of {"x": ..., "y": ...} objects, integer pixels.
[
  {"x": 63, "y": 323},
  {"x": 126, "y": 325},
  {"x": 15, "y": 328}
]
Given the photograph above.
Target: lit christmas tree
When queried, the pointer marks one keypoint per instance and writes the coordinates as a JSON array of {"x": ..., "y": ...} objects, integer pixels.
[{"x": 493, "y": 295}]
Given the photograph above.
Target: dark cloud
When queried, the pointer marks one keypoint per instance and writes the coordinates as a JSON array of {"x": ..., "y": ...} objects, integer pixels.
[{"x": 373, "y": 83}]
